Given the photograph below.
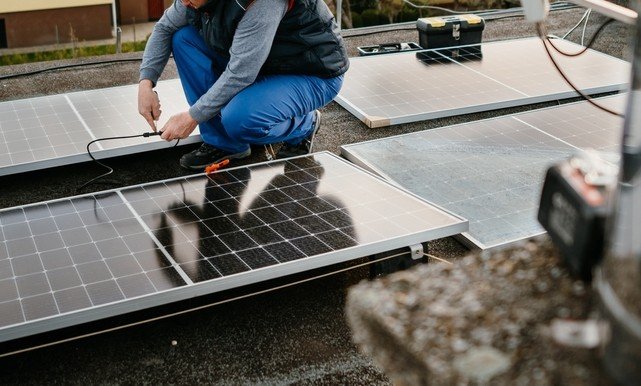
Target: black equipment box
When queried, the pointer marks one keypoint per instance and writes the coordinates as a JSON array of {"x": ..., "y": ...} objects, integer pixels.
[
  {"x": 450, "y": 31},
  {"x": 387, "y": 48},
  {"x": 461, "y": 54},
  {"x": 574, "y": 209}
]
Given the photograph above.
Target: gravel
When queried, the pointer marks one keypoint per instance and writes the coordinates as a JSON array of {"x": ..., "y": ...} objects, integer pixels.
[{"x": 486, "y": 318}]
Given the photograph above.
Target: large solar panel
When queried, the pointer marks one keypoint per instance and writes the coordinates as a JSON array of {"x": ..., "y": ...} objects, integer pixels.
[
  {"x": 491, "y": 171},
  {"x": 80, "y": 259},
  {"x": 398, "y": 88},
  {"x": 54, "y": 130}
]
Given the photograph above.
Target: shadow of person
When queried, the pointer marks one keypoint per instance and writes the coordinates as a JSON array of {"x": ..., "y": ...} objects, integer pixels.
[{"x": 253, "y": 217}]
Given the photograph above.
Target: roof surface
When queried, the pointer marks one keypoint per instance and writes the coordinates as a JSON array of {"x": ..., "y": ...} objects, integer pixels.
[{"x": 292, "y": 335}]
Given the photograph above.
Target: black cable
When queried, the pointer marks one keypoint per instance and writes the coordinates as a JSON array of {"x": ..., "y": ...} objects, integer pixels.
[
  {"x": 539, "y": 29},
  {"x": 488, "y": 19},
  {"x": 110, "y": 169},
  {"x": 590, "y": 43},
  {"x": 63, "y": 67},
  {"x": 349, "y": 35}
]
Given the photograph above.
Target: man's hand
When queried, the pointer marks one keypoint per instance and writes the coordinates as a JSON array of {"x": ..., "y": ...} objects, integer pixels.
[
  {"x": 148, "y": 103},
  {"x": 179, "y": 126}
]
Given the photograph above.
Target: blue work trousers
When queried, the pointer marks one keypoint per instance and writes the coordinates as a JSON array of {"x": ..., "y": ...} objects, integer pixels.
[{"x": 275, "y": 108}]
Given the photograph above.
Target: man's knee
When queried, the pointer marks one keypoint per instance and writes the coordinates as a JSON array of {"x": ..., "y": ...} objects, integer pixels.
[
  {"x": 235, "y": 123},
  {"x": 241, "y": 126}
]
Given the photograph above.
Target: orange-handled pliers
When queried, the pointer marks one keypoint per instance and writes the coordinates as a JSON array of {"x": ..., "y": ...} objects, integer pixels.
[{"x": 216, "y": 166}]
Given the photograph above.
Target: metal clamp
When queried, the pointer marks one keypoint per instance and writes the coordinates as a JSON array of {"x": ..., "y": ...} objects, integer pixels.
[{"x": 416, "y": 251}]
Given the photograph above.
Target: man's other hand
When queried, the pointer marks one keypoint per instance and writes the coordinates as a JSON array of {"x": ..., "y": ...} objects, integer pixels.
[
  {"x": 179, "y": 126},
  {"x": 148, "y": 103}
]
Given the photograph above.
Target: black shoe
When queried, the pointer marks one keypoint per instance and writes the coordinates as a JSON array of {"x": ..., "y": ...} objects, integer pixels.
[
  {"x": 206, "y": 155},
  {"x": 305, "y": 146}
]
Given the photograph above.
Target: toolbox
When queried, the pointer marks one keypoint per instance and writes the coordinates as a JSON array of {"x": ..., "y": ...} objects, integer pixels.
[
  {"x": 449, "y": 31},
  {"x": 460, "y": 54}
]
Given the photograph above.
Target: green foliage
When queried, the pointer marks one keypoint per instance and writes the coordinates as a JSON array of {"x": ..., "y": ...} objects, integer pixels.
[
  {"x": 357, "y": 20},
  {"x": 361, "y": 5},
  {"x": 408, "y": 14},
  {"x": 69, "y": 53},
  {"x": 373, "y": 17},
  {"x": 377, "y": 12},
  {"x": 390, "y": 8}
]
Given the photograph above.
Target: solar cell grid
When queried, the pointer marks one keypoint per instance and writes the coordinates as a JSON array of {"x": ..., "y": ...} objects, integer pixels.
[
  {"x": 162, "y": 238},
  {"x": 55, "y": 130},
  {"x": 197, "y": 232},
  {"x": 526, "y": 67},
  {"x": 69, "y": 255},
  {"x": 398, "y": 88},
  {"x": 491, "y": 171},
  {"x": 381, "y": 93},
  {"x": 38, "y": 129},
  {"x": 113, "y": 111},
  {"x": 583, "y": 126}
]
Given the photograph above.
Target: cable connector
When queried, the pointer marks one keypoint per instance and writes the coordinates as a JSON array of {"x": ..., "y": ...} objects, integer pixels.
[{"x": 151, "y": 133}]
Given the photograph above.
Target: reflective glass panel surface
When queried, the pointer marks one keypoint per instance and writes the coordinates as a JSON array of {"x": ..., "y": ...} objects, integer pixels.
[
  {"x": 383, "y": 90},
  {"x": 169, "y": 240},
  {"x": 491, "y": 172}
]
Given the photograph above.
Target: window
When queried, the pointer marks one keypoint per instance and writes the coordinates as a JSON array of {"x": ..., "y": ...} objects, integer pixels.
[
  {"x": 155, "y": 8},
  {"x": 3, "y": 34}
]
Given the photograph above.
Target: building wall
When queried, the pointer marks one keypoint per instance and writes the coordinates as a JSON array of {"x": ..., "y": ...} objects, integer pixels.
[
  {"x": 132, "y": 9},
  {"x": 7, "y": 6},
  {"x": 138, "y": 10},
  {"x": 32, "y": 28}
]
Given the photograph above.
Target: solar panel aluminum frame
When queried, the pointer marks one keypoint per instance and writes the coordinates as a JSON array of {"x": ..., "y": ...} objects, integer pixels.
[
  {"x": 465, "y": 238},
  {"x": 98, "y": 154},
  {"x": 237, "y": 280},
  {"x": 374, "y": 122}
]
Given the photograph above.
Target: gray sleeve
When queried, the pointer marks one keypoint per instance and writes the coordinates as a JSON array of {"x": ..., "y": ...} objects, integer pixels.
[
  {"x": 250, "y": 48},
  {"x": 158, "y": 46}
]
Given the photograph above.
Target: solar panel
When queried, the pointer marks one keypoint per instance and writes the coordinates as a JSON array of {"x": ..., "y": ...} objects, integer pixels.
[
  {"x": 88, "y": 257},
  {"x": 383, "y": 90},
  {"x": 54, "y": 130},
  {"x": 583, "y": 127},
  {"x": 491, "y": 171}
]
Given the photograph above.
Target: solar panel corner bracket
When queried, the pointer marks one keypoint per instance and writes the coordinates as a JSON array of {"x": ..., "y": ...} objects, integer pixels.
[{"x": 417, "y": 251}]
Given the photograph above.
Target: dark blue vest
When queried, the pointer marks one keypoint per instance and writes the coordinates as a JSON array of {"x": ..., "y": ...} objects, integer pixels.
[{"x": 307, "y": 40}]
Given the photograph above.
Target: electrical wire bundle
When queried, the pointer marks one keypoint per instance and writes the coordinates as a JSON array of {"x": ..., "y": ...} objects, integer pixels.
[
  {"x": 110, "y": 170},
  {"x": 547, "y": 43}
]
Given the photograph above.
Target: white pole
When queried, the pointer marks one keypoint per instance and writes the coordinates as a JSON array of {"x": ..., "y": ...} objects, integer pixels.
[
  {"x": 339, "y": 13},
  {"x": 114, "y": 17}
]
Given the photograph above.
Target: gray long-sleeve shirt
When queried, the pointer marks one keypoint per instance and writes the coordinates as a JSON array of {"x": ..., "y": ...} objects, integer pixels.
[{"x": 250, "y": 48}]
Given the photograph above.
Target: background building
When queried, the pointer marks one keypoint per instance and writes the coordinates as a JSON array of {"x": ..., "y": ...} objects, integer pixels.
[
  {"x": 38, "y": 22},
  {"x": 136, "y": 11}
]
